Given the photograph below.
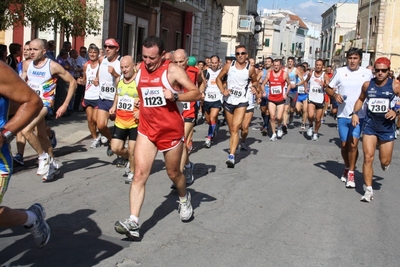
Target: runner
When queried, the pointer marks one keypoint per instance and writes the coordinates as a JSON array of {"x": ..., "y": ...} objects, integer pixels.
[
  {"x": 302, "y": 102},
  {"x": 348, "y": 81},
  {"x": 14, "y": 89},
  {"x": 239, "y": 74},
  {"x": 264, "y": 98},
  {"x": 379, "y": 123},
  {"x": 40, "y": 75},
  {"x": 92, "y": 92},
  {"x": 108, "y": 72},
  {"x": 253, "y": 96},
  {"x": 161, "y": 128},
  {"x": 212, "y": 100},
  {"x": 127, "y": 114},
  {"x": 189, "y": 110},
  {"x": 315, "y": 99},
  {"x": 277, "y": 80},
  {"x": 296, "y": 79}
]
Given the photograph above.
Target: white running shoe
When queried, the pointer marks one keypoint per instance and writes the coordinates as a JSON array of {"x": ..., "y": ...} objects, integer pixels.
[
  {"x": 129, "y": 179},
  {"x": 279, "y": 132},
  {"x": 315, "y": 137},
  {"x": 344, "y": 175},
  {"x": 39, "y": 229},
  {"x": 185, "y": 209},
  {"x": 368, "y": 196},
  {"x": 128, "y": 168},
  {"x": 350, "y": 181},
  {"x": 104, "y": 140},
  {"x": 310, "y": 131},
  {"x": 273, "y": 137},
  {"x": 303, "y": 126},
  {"x": 95, "y": 143},
  {"x": 44, "y": 165},
  {"x": 384, "y": 167}
]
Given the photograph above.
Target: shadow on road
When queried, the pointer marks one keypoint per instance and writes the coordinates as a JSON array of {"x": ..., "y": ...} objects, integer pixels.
[{"x": 75, "y": 241}]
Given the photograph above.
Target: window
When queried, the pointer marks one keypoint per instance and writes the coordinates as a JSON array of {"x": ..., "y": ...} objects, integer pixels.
[
  {"x": 178, "y": 40},
  {"x": 266, "y": 43},
  {"x": 164, "y": 35}
]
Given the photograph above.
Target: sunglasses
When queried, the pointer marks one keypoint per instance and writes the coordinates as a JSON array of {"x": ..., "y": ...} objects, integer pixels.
[
  {"x": 109, "y": 46},
  {"x": 381, "y": 70},
  {"x": 241, "y": 53}
]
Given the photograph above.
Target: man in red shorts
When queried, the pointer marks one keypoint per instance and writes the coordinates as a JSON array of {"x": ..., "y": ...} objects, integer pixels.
[{"x": 161, "y": 129}]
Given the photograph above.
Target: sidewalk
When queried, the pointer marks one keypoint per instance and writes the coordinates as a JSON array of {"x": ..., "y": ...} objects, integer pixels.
[{"x": 69, "y": 130}]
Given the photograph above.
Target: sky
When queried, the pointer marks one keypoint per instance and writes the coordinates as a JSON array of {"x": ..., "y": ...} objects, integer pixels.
[{"x": 308, "y": 10}]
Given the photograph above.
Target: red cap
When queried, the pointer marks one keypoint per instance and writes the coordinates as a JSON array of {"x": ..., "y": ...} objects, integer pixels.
[{"x": 383, "y": 60}]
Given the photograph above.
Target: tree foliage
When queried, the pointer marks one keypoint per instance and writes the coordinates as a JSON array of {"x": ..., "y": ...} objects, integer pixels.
[{"x": 75, "y": 17}]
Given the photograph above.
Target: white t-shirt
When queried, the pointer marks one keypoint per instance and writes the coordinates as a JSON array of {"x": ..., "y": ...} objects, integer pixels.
[{"x": 348, "y": 84}]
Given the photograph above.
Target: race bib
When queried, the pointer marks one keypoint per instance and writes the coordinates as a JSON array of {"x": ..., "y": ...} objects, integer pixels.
[
  {"x": 378, "y": 105},
  {"x": 317, "y": 90},
  {"x": 153, "y": 97},
  {"x": 107, "y": 88},
  {"x": 276, "y": 90},
  {"x": 212, "y": 95},
  {"x": 236, "y": 92},
  {"x": 37, "y": 88},
  {"x": 301, "y": 89},
  {"x": 186, "y": 105},
  {"x": 125, "y": 103}
]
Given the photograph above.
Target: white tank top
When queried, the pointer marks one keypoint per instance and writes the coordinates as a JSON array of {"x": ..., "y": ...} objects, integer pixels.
[
  {"x": 106, "y": 80},
  {"x": 212, "y": 92},
  {"x": 91, "y": 91},
  {"x": 237, "y": 84},
  {"x": 316, "y": 92},
  {"x": 251, "y": 98},
  {"x": 38, "y": 76}
]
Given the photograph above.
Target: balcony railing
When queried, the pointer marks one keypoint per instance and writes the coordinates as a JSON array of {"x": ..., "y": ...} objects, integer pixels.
[
  {"x": 189, "y": 5},
  {"x": 230, "y": 2}
]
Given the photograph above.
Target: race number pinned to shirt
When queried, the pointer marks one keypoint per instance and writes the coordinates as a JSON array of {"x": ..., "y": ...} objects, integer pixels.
[
  {"x": 236, "y": 92},
  {"x": 37, "y": 88},
  {"x": 153, "y": 97},
  {"x": 186, "y": 105},
  {"x": 125, "y": 103},
  {"x": 276, "y": 90},
  {"x": 107, "y": 88},
  {"x": 378, "y": 105},
  {"x": 212, "y": 95},
  {"x": 301, "y": 89}
]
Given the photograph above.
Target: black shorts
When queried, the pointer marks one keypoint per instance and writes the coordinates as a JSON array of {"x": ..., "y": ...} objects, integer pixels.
[
  {"x": 264, "y": 102},
  {"x": 317, "y": 105},
  {"x": 277, "y": 103},
  {"x": 250, "y": 110},
  {"x": 231, "y": 108},
  {"x": 189, "y": 120},
  {"x": 207, "y": 106},
  {"x": 122, "y": 134}
]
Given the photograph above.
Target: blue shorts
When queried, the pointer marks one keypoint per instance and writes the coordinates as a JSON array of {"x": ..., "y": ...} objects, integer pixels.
[
  {"x": 90, "y": 103},
  {"x": 302, "y": 97},
  {"x": 382, "y": 133},
  {"x": 347, "y": 130},
  {"x": 6, "y": 162},
  {"x": 105, "y": 104}
]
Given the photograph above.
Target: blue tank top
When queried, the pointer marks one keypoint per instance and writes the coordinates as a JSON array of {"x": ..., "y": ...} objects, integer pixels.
[
  {"x": 293, "y": 80},
  {"x": 266, "y": 87},
  {"x": 379, "y": 102}
]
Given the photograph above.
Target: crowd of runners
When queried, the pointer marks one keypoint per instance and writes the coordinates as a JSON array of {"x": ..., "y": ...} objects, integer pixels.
[{"x": 155, "y": 104}]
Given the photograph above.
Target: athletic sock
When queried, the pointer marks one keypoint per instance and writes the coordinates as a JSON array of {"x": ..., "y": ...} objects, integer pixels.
[{"x": 134, "y": 218}]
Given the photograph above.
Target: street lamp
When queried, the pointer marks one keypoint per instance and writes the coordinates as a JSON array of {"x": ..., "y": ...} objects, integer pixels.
[{"x": 332, "y": 29}]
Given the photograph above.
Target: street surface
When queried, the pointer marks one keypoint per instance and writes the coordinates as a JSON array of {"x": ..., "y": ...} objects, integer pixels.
[{"x": 282, "y": 205}]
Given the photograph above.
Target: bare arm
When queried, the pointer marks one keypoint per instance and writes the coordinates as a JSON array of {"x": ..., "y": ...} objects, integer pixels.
[
  {"x": 60, "y": 71},
  {"x": 358, "y": 105},
  {"x": 178, "y": 75},
  {"x": 220, "y": 84},
  {"x": 16, "y": 90}
]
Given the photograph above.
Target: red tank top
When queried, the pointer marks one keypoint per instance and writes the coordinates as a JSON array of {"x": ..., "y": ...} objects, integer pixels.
[
  {"x": 189, "y": 107},
  {"x": 158, "y": 121},
  {"x": 276, "y": 87}
]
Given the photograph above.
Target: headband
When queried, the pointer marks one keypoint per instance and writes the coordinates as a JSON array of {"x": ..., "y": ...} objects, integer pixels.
[
  {"x": 383, "y": 60},
  {"x": 111, "y": 42}
]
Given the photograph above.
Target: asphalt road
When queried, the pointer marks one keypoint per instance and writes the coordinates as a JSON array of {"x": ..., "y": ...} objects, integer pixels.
[{"x": 282, "y": 205}]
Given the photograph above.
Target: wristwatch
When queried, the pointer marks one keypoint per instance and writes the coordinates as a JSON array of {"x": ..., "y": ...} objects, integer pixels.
[
  {"x": 176, "y": 97},
  {"x": 7, "y": 135},
  {"x": 354, "y": 113}
]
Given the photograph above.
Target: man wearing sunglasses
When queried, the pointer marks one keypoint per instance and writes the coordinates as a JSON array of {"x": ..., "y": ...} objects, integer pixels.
[
  {"x": 239, "y": 74},
  {"x": 379, "y": 125},
  {"x": 109, "y": 70},
  {"x": 348, "y": 80}
]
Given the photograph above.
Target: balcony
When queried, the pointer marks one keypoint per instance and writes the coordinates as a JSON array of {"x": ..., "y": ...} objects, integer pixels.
[
  {"x": 189, "y": 5},
  {"x": 245, "y": 25},
  {"x": 230, "y": 2},
  {"x": 299, "y": 53}
]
